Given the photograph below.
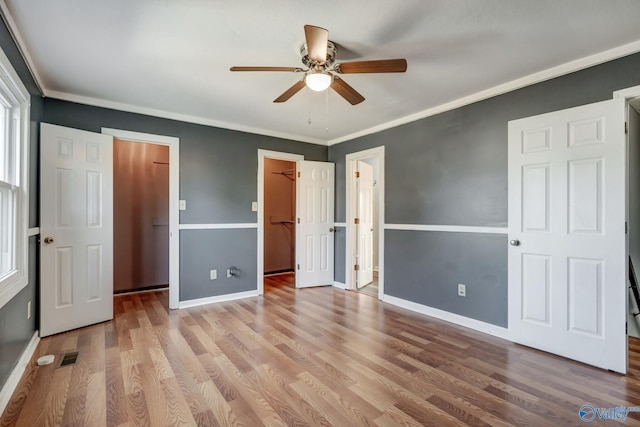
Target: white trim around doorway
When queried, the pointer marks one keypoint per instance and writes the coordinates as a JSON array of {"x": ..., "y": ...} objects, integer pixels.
[
  {"x": 350, "y": 249},
  {"x": 266, "y": 154},
  {"x": 174, "y": 195}
]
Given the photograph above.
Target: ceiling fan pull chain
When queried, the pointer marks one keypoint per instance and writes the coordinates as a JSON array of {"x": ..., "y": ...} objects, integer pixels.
[
  {"x": 326, "y": 92},
  {"x": 309, "y": 121}
]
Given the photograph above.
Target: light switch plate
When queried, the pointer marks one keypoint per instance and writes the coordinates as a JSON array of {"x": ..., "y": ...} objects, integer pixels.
[
  {"x": 254, "y": 206},
  {"x": 213, "y": 274},
  {"x": 183, "y": 205}
]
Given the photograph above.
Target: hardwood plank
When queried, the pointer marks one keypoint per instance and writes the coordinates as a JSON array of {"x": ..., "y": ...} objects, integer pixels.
[
  {"x": 114, "y": 384},
  {"x": 316, "y": 356}
]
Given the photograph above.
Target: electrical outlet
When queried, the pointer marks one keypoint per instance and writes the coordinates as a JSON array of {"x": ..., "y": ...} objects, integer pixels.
[
  {"x": 213, "y": 274},
  {"x": 229, "y": 272},
  {"x": 462, "y": 290},
  {"x": 29, "y": 310}
]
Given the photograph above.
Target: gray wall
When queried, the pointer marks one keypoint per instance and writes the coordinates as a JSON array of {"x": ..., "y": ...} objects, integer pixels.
[
  {"x": 15, "y": 328},
  {"x": 218, "y": 179},
  {"x": 451, "y": 169},
  {"x": 217, "y": 249}
]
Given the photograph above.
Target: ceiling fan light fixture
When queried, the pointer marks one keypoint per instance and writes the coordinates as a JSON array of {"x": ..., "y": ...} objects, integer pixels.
[{"x": 318, "y": 80}]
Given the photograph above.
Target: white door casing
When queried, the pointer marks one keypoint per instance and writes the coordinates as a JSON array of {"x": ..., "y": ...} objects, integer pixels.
[
  {"x": 567, "y": 286},
  {"x": 315, "y": 223},
  {"x": 364, "y": 208},
  {"x": 174, "y": 203},
  {"x": 76, "y": 267}
]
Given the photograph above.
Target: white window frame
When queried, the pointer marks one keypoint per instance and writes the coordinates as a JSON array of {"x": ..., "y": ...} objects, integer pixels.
[{"x": 14, "y": 92}]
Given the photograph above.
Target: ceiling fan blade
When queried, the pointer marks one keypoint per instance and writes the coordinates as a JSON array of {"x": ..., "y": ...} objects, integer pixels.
[
  {"x": 290, "y": 69},
  {"x": 291, "y": 91},
  {"x": 380, "y": 66},
  {"x": 317, "y": 39},
  {"x": 347, "y": 92}
]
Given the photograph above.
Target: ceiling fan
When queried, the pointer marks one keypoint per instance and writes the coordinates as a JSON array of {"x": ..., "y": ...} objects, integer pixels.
[{"x": 319, "y": 55}]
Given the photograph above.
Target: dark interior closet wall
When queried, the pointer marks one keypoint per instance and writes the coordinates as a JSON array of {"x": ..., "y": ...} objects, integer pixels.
[
  {"x": 279, "y": 213},
  {"x": 141, "y": 215}
]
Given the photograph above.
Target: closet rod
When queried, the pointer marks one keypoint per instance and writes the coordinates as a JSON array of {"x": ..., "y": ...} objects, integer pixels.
[{"x": 287, "y": 172}]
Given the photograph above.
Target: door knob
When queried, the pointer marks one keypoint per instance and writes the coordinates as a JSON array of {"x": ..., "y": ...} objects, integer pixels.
[
  {"x": 48, "y": 240},
  {"x": 514, "y": 242},
  {"x": 331, "y": 230}
]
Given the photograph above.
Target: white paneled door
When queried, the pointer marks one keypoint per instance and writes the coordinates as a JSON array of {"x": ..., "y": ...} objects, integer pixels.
[
  {"x": 364, "y": 185},
  {"x": 76, "y": 228},
  {"x": 315, "y": 224},
  {"x": 567, "y": 259}
]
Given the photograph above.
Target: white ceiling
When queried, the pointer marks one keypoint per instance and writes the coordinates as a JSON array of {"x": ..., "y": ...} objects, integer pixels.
[{"x": 171, "y": 58}]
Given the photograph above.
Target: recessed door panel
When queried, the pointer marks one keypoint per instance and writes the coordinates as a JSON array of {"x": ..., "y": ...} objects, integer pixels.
[
  {"x": 586, "y": 132},
  {"x": 535, "y": 198},
  {"x": 94, "y": 199},
  {"x": 63, "y": 198},
  {"x": 536, "y": 285},
  {"x": 64, "y": 148},
  {"x": 64, "y": 276},
  {"x": 94, "y": 152},
  {"x": 585, "y": 196},
  {"x": 536, "y": 140},
  {"x": 94, "y": 272},
  {"x": 585, "y": 296}
]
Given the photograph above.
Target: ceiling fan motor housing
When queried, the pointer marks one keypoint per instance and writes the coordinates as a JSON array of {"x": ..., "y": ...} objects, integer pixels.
[{"x": 331, "y": 57}]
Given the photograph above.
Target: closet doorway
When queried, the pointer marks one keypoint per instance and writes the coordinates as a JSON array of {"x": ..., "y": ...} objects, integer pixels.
[
  {"x": 276, "y": 218},
  {"x": 141, "y": 216},
  {"x": 279, "y": 216}
]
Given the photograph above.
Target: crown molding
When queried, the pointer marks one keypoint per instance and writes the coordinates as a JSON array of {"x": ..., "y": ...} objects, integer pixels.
[
  {"x": 548, "y": 74},
  {"x": 21, "y": 45},
  {"x": 97, "y": 102}
]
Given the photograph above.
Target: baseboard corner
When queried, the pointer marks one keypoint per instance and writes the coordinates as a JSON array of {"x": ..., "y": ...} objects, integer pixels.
[{"x": 14, "y": 378}]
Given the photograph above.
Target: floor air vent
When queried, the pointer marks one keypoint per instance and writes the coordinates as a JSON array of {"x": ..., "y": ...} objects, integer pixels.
[{"x": 68, "y": 359}]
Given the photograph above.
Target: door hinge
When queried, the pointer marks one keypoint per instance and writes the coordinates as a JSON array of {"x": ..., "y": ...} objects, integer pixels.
[
  {"x": 626, "y": 227},
  {"x": 356, "y": 267},
  {"x": 356, "y": 220},
  {"x": 298, "y": 266},
  {"x": 626, "y": 128},
  {"x": 298, "y": 174},
  {"x": 357, "y": 174},
  {"x": 298, "y": 220}
]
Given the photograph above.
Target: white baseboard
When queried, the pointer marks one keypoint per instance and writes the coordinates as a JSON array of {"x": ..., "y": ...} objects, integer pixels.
[
  {"x": 340, "y": 285},
  {"x": 457, "y": 319},
  {"x": 14, "y": 378},
  {"x": 219, "y": 298}
]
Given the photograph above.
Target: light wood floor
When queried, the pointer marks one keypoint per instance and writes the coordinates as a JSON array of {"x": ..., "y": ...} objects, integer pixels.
[{"x": 317, "y": 356}]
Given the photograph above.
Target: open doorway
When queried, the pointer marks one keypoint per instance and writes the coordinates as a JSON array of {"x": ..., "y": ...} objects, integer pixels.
[
  {"x": 279, "y": 222},
  {"x": 276, "y": 219},
  {"x": 166, "y": 219},
  {"x": 633, "y": 213},
  {"x": 365, "y": 222},
  {"x": 140, "y": 216}
]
